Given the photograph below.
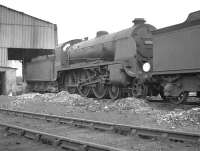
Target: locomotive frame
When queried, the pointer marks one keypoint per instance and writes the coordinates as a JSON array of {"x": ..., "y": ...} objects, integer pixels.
[{"x": 108, "y": 66}]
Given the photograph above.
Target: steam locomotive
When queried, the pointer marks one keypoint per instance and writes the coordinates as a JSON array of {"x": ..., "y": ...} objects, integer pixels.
[{"x": 138, "y": 61}]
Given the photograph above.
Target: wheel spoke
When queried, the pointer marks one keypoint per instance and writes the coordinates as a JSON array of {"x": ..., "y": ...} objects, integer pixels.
[
  {"x": 83, "y": 90},
  {"x": 114, "y": 92},
  {"x": 99, "y": 90}
]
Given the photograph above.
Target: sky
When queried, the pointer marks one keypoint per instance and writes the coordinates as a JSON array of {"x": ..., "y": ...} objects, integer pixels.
[{"x": 83, "y": 18}]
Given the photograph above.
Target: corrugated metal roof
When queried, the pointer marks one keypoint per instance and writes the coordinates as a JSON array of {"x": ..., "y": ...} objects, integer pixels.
[
  {"x": 22, "y": 13},
  {"x": 19, "y": 30}
]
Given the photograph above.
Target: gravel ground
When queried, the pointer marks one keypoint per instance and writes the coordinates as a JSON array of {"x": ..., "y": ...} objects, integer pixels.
[
  {"x": 131, "y": 111},
  {"x": 118, "y": 141}
]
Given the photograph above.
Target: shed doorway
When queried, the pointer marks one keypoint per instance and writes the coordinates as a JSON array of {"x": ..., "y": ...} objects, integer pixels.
[{"x": 2, "y": 83}]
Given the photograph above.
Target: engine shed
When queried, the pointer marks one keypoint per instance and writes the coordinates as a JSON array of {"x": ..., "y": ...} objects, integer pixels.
[{"x": 22, "y": 37}]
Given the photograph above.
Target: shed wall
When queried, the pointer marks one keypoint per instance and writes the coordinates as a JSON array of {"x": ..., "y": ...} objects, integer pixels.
[
  {"x": 3, "y": 57},
  {"x": 9, "y": 80},
  {"x": 35, "y": 70}
]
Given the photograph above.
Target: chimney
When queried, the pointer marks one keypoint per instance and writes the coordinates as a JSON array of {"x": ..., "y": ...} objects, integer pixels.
[
  {"x": 85, "y": 38},
  {"x": 101, "y": 33},
  {"x": 138, "y": 21}
]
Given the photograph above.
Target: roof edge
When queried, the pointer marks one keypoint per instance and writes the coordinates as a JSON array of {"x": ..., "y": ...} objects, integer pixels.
[{"x": 25, "y": 14}]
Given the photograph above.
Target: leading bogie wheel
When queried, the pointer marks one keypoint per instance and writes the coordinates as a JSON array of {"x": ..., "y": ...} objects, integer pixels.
[
  {"x": 180, "y": 99},
  {"x": 139, "y": 90},
  {"x": 69, "y": 82}
]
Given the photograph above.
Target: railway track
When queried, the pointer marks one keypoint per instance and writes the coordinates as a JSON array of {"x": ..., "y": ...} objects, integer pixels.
[
  {"x": 13, "y": 142},
  {"x": 55, "y": 140},
  {"x": 127, "y": 130},
  {"x": 159, "y": 100}
]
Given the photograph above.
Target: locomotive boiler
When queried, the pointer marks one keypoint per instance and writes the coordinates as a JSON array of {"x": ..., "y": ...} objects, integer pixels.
[{"x": 110, "y": 65}]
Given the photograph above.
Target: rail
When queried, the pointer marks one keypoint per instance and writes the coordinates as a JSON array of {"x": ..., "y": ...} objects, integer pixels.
[
  {"x": 116, "y": 128},
  {"x": 55, "y": 140}
]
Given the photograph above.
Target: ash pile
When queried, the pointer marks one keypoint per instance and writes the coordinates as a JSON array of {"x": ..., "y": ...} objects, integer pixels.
[
  {"x": 126, "y": 111},
  {"x": 180, "y": 118},
  {"x": 75, "y": 100}
]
